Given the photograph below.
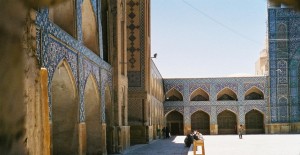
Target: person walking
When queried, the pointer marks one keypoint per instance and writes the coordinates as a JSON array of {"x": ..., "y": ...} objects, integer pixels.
[{"x": 240, "y": 130}]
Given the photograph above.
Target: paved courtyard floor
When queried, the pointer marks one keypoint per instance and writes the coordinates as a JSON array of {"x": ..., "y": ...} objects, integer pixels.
[{"x": 288, "y": 144}]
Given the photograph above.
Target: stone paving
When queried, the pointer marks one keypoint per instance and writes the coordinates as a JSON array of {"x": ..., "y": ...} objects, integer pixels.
[
  {"x": 172, "y": 146},
  {"x": 224, "y": 145}
]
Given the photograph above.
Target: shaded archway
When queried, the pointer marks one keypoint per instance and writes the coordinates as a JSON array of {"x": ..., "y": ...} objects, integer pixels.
[
  {"x": 109, "y": 121},
  {"x": 254, "y": 94},
  {"x": 93, "y": 115},
  {"x": 64, "y": 111},
  {"x": 227, "y": 122},
  {"x": 89, "y": 27},
  {"x": 199, "y": 95},
  {"x": 254, "y": 122},
  {"x": 174, "y": 95},
  {"x": 175, "y": 123},
  {"x": 226, "y": 94},
  {"x": 63, "y": 15},
  {"x": 200, "y": 122},
  {"x": 105, "y": 29}
]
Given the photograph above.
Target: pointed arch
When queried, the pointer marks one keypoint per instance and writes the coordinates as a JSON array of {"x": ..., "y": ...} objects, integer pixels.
[
  {"x": 200, "y": 122},
  {"x": 175, "y": 122},
  {"x": 227, "y": 122},
  {"x": 166, "y": 114},
  {"x": 254, "y": 122},
  {"x": 89, "y": 27},
  {"x": 199, "y": 95},
  {"x": 174, "y": 95},
  {"x": 63, "y": 15},
  {"x": 93, "y": 115},
  {"x": 254, "y": 93},
  {"x": 226, "y": 94},
  {"x": 65, "y": 111}
]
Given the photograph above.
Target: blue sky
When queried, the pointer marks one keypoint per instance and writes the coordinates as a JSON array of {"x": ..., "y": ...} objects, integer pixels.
[{"x": 207, "y": 38}]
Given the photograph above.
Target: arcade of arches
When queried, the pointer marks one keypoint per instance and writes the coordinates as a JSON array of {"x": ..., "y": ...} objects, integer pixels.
[
  {"x": 102, "y": 93},
  {"x": 216, "y": 105}
]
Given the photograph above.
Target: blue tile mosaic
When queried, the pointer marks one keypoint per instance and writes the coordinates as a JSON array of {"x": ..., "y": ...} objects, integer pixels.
[{"x": 55, "y": 45}]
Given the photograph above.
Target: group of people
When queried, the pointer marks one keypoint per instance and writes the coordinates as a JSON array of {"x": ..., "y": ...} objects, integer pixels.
[{"x": 196, "y": 135}]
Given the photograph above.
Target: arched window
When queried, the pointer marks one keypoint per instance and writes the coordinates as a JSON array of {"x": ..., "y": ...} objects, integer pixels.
[
  {"x": 226, "y": 95},
  {"x": 254, "y": 94},
  {"x": 174, "y": 95},
  {"x": 199, "y": 95}
]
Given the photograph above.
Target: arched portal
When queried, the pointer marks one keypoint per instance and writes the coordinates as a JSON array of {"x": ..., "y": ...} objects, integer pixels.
[
  {"x": 199, "y": 95},
  {"x": 93, "y": 115},
  {"x": 63, "y": 15},
  {"x": 227, "y": 122},
  {"x": 254, "y": 94},
  {"x": 64, "y": 111},
  {"x": 226, "y": 95},
  {"x": 200, "y": 122},
  {"x": 109, "y": 121},
  {"x": 174, "y": 95},
  {"x": 254, "y": 122},
  {"x": 89, "y": 27},
  {"x": 175, "y": 123}
]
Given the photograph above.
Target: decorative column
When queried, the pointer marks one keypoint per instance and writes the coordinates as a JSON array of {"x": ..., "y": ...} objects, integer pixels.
[
  {"x": 213, "y": 121},
  {"x": 187, "y": 120},
  {"x": 45, "y": 111}
]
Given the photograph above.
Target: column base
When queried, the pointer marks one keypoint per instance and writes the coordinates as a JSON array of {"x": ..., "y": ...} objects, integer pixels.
[{"x": 213, "y": 129}]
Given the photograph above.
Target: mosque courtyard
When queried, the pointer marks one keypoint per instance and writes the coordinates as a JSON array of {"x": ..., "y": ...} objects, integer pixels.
[{"x": 284, "y": 144}]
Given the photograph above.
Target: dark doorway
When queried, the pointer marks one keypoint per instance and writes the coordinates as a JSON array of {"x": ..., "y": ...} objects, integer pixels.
[
  {"x": 200, "y": 122},
  {"x": 227, "y": 122},
  {"x": 254, "y": 122},
  {"x": 175, "y": 123}
]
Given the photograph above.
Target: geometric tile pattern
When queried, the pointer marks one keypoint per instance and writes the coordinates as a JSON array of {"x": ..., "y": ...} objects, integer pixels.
[
  {"x": 136, "y": 45},
  {"x": 194, "y": 86},
  {"x": 260, "y": 86},
  {"x": 54, "y": 45}
]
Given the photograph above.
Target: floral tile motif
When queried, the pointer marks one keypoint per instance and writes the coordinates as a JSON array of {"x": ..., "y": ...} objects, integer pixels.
[{"x": 286, "y": 62}]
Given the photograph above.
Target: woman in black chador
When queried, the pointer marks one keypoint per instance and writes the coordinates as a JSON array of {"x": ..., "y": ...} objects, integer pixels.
[{"x": 167, "y": 132}]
